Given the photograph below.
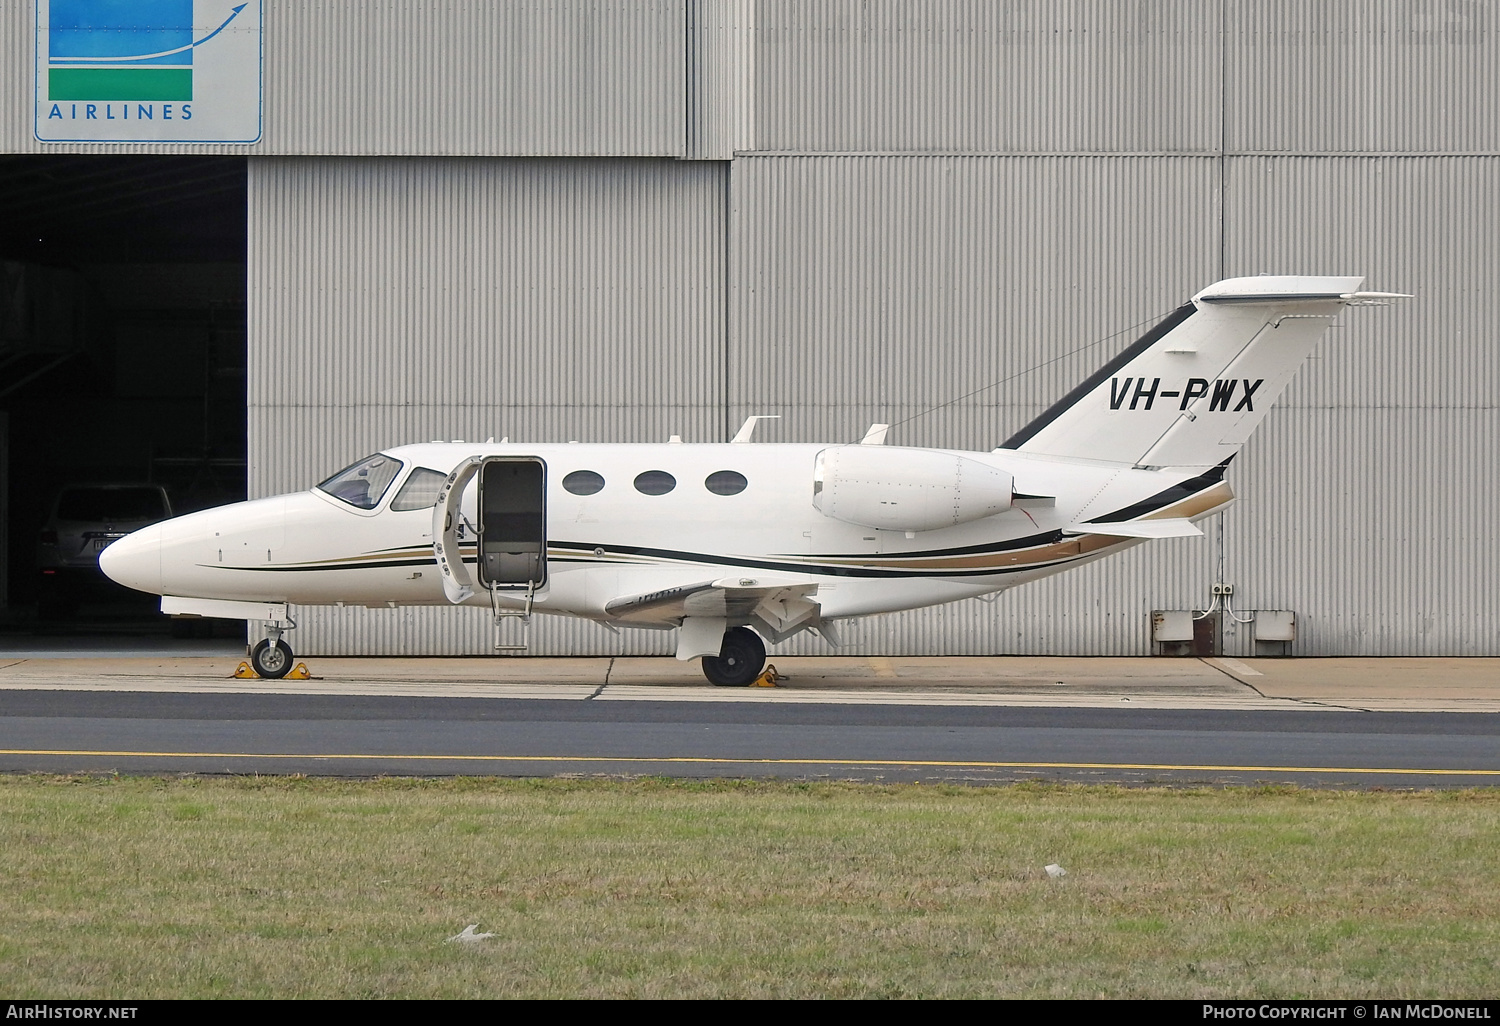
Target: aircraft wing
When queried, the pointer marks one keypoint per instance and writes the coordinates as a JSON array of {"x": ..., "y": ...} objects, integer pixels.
[{"x": 779, "y": 606}]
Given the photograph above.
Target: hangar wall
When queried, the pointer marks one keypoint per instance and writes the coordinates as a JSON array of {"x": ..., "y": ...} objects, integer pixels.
[
  {"x": 856, "y": 278},
  {"x": 412, "y": 298},
  {"x": 1367, "y": 497},
  {"x": 1153, "y": 76},
  {"x": 388, "y": 77},
  {"x": 1115, "y": 160},
  {"x": 466, "y": 222},
  {"x": 393, "y": 300},
  {"x": 1333, "y": 137},
  {"x": 1035, "y": 76},
  {"x": 1363, "y": 497}
]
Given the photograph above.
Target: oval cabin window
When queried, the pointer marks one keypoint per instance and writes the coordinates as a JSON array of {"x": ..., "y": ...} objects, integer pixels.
[
  {"x": 583, "y": 482},
  {"x": 655, "y": 482},
  {"x": 725, "y": 482}
]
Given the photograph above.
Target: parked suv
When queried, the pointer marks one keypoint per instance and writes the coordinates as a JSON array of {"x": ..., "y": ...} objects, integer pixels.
[{"x": 85, "y": 519}]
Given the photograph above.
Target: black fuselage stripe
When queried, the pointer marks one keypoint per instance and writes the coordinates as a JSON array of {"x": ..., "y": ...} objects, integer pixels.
[
  {"x": 356, "y": 565},
  {"x": 698, "y": 558},
  {"x": 813, "y": 568},
  {"x": 1030, "y": 541}
]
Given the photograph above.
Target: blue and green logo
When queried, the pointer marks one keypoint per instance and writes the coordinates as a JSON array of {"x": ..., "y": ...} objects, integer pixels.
[
  {"x": 156, "y": 71},
  {"x": 123, "y": 49}
]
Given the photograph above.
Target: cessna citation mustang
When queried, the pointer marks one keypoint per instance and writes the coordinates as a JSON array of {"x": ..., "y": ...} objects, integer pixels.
[{"x": 734, "y": 543}]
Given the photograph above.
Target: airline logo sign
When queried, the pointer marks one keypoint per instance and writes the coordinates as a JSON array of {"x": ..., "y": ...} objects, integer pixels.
[
  {"x": 1232, "y": 395},
  {"x": 148, "y": 70}
]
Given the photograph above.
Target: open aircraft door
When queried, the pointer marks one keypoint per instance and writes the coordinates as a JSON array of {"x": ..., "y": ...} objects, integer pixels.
[
  {"x": 510, "y": 536},
  {"x": 513, "y": 523}
]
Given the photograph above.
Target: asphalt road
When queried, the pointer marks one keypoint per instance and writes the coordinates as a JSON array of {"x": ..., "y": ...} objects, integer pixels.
[{"x": 163, "y": 732}]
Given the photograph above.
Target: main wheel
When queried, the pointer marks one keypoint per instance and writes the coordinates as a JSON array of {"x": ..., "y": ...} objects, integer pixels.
[
  {"x": 742, "y": 656},
  {"x": 271, "y": 661}
]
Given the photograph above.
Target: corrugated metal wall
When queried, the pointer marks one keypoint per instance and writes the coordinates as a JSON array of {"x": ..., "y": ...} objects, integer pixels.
[
  {"x": 1372, "y": 487},
  {"x": 879, "y": 288},
  {"x": 1153, "y": 76},
  {"x": 863, "y": 278},
  {"x": 1407, "y": 76},
  {"x": 928, "y": 197},
  {"x": 398, "y": 300},
  {"x": 884, "y": 288},
  {"x": 1035, "y": 75},
  {"x": 721, "y": 78},
  {"x": 863, "y": 292},
  {"x": 543, "y": 77},
  {"x": 708, "y": 77}
]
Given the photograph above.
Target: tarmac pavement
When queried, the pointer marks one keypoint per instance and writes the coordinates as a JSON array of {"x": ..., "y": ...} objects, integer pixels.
[{"x": 1373, "y": 684}]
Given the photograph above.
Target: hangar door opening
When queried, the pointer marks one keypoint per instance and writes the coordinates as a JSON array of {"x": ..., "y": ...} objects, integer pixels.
[{"x": 122, "y": 342}]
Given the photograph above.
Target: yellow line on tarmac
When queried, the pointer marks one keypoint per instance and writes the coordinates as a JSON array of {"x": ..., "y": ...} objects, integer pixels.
[{"x": 703, "y": 760}]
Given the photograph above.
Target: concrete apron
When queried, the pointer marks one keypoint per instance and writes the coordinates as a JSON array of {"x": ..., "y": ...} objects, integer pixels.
[{"x": 1407, "y": 685}]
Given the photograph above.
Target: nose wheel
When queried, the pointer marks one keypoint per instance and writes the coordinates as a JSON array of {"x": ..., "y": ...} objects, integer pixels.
[
  {"x": 271, "y": 660},
  {"x": 741, "y": 658}
]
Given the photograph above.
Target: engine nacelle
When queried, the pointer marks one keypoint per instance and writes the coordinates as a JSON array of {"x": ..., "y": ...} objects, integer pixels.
[{"x": 897, "y": 489}]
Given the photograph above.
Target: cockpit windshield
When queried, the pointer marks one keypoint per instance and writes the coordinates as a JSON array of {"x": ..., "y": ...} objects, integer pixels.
[{"x": 365, "y": 482}]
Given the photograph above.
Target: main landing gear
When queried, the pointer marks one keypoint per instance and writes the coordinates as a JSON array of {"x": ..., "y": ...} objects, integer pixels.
[{"x": 741, "y": 658}]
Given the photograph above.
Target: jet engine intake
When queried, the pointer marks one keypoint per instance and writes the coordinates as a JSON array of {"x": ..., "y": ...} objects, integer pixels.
[{"x": 898, "y": 489}]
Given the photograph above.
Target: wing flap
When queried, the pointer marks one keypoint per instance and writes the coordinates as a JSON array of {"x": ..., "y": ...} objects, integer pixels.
[
  {"x": 655, "y": 606},
  {"x": 780, "y": 607}
]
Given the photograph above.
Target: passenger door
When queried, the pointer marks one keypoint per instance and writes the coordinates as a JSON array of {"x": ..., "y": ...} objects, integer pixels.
[{"x": 513, "y": 523}]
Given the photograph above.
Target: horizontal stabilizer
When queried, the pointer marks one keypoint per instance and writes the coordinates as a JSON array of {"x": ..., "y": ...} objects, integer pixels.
[{"x": 1175, "y": 528}]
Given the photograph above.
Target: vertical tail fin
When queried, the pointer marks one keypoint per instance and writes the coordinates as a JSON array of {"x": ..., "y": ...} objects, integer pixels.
[{"x": 1190, "y": 392}]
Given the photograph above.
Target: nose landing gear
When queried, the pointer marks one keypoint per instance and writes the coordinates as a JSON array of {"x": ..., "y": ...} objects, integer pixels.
[{"x": 271, "y": 660}]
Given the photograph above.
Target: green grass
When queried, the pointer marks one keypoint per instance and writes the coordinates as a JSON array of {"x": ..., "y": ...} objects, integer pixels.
[{"x": 140, "y": 888}]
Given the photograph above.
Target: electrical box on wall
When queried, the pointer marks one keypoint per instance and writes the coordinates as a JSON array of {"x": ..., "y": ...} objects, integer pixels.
[
  {"x": 1171, "y": 625},
  {"x": 1275, "y": 625},
  {"x": 1275, "y": 630},
  {"x": 1186, "y": 632}
]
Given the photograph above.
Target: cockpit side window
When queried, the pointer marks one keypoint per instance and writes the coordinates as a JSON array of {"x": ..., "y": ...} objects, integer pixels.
[
  {"x": 420, "y": 491},
  {"x": 363, "y": 484}
]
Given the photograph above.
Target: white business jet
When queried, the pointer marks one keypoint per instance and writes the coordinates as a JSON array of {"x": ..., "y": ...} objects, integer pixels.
[{"x": 737, "y": 542}]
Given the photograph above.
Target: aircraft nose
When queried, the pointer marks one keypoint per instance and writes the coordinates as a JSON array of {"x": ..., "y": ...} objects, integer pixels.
[{"x": 135, "y": 560}]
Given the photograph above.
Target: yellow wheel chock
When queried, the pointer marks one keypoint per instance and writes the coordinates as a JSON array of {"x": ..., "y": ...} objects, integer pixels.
[
  {"x": 299, "y": 672},
  {"x": 768, "y": 677}
]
